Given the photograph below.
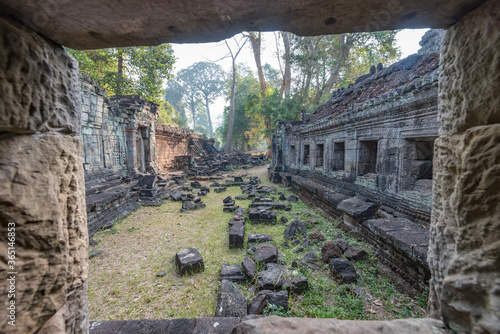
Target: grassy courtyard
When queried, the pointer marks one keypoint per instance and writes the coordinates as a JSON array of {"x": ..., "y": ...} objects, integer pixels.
[{"x": 123, "y": 284}]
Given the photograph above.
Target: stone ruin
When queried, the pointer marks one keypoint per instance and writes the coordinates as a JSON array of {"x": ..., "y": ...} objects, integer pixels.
[
  {"x": 42, "y": 188},
  {"x": 126, "y": 154},
  {"x": 367, "y": 154}
]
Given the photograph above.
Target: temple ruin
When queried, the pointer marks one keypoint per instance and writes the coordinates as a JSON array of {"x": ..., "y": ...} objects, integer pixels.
[
  {"x": 372, "y": 144},
  {"x": 373, "y": 148}
]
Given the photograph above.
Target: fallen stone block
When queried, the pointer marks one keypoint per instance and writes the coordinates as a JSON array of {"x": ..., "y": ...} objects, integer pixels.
[
  {"x": 189, "y": 261},
  {"x": 196, "y": 184},
  {"x": 176, "y": 195},
  {"x": 354, "y": 253},
  {"x": 238, "y": 179},
  {"x": 266, "y": 254},
  {"x": 240, "y": 212},
  {"x": 249, "y": 268},
  {"x": 272, "y": 278},
  {"x": 241, "y": 197},
  {"x": 232, "y": 272},
  {"x": 258, "y": 304},
  {"x": 294, "y": 228},
  {"x": 228, "y": 199},
  {"x": 219, "y": 190},
  {"x": 94, "y": 253},
  {"x": 230, "y": 301},
  {"x": 279, "y": 299},
  {"x": 258, "y": 238},
  {"x": 344, "y": 270},
  {"x": 292, "y": 198},
  {"x": 357, "y": 208},
  {"x": 237, "y": 235},
  {"x": 229, "y": 208},
  {"x": 262, "y": 216}
]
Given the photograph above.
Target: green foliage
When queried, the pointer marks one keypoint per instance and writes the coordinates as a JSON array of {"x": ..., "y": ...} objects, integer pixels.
[
  {"x": 195, "y": 88},
  {"x": 130, "y": 70},
  {"x": 246, "y": 96},
  {"x": 168, "y": 115}
]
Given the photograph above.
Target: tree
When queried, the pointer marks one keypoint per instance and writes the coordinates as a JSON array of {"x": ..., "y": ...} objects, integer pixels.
[
  {"x": 187, "y": 78},
  {"x": 173, "y": 95},
  {"x": 130, "y": 70},
  {"x": 210, "y": 82},
  {"x": 256, "y": 42},
  {"x": 234, "y": 55},
  {"x": 287, "y": 74}
]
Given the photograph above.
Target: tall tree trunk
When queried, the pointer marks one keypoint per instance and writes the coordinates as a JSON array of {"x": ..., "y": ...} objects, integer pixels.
[
  {"x": 193, "y": 112},
  {"x": 233, "y": 90},
  {"x": 210, "y": 129},
  {"x": 231, "y": 110},
  {"x": 256, "y": 44},
  {"x": 287, "y": 75},
  {"x": 344, "y": 49},
  {"x": 119, "y": 81}
]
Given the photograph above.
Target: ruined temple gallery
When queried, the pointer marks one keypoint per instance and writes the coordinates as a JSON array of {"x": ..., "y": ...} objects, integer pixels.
[{"x": 408, "y": 157}]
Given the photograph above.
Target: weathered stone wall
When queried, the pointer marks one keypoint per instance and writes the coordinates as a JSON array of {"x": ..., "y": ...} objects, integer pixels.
[
  {"x": 464, "y": 254},
  {"x": 431, "y": 41},
  {"x": 374, "y": 139},
  {"x": 173, "y": 141},
  {"x": 42, "y": 187},
  {"x": 118, "y": 133}
]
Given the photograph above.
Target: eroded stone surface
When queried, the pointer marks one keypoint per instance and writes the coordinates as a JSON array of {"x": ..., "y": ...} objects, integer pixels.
[
  {"x": 464, "y": 68},
  {"x": 274, "y": 324},
  {"x": 42, "y": 192},
  {"x": 39, "y": 84},
  {"x": 464, "y": 247},
  {"x": 230, "y": 302}
]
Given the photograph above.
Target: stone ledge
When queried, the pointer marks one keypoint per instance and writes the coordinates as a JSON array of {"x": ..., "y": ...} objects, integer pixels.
[
  {"x": 272, "y": 325},
  {"x": 185, "y": 326}
]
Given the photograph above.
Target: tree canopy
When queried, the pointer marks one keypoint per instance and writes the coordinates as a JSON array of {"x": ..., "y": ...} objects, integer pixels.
[{"x": 129, "y": 70}]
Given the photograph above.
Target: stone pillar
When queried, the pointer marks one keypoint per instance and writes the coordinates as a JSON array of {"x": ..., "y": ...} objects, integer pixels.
[
  {"x": 42, "y": 189},
  {"x": 464, "y": 252},
  {"x": 351, "y": 157}
]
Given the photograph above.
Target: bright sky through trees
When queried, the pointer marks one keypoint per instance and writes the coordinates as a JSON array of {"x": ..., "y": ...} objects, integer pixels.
[{"x": 188, "y": 54}]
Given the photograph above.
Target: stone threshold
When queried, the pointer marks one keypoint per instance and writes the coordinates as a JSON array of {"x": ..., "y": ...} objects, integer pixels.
[{"x": 175, "y": 326}]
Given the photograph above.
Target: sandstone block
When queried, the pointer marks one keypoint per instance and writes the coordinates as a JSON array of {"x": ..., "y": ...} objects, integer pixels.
[{"x": 189, "y": 261}]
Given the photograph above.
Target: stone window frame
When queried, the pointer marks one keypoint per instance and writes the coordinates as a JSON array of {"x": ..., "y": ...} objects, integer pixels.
[
  {"x": 361, "y": 140},
  {"x": 410, "y": 136},
  {"x": 323, "y": 148},
  {"x": 333, "y": 164}
]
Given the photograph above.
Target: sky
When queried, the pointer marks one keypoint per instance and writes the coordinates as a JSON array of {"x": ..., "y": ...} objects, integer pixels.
[{"x": 188, "y": 54}]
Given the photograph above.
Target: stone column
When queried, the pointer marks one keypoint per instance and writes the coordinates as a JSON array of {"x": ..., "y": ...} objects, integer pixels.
[
  {"x": 42, "y": 190},
  {"x": 464, "y": 252}
]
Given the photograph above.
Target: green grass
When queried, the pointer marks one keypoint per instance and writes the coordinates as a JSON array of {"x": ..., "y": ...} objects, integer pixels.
[{"x": 123, "y": 283}]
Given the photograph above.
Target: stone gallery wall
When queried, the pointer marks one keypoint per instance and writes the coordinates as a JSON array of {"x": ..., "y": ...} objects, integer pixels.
[{"x": 374, "y": 139}]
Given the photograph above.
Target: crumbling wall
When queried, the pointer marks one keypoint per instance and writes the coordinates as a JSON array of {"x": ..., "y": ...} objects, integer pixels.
[
  {"x": 118, "y": 133},
  {"x": 172, "y": 141}
]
